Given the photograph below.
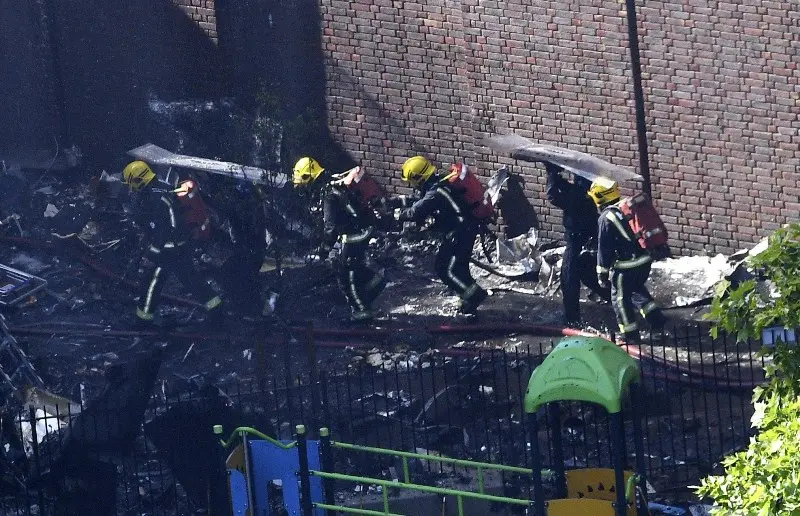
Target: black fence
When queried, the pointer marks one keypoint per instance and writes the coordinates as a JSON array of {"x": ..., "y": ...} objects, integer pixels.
[{"x": 462, "y": 403}]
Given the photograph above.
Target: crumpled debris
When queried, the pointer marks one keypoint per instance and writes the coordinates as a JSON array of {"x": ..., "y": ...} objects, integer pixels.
[
  {"x": 44, "y": 423},
  {"x": 387, "y": 360}
]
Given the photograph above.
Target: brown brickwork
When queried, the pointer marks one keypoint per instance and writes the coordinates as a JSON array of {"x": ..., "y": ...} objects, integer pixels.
[
  {"x": 203, "y": 13},
  {"x": 721, "y": 80}
]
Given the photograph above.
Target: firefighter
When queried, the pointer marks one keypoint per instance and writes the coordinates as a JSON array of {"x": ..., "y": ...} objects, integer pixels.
[
  {"x": 345, "y": 220},
  {"x": 159, "y": 214},
  {"x": 623, "y": 264},
  {"x": 580, "y": 234},
  {"x": 453, "y": 219}
]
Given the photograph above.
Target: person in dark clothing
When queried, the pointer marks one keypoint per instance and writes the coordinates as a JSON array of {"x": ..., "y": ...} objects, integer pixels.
[
  {"x": 348, "y": 221},
  {"x": 454, "y": 220},
  {"x": 159, "y": 215},
  {"x": 623, "y": 263},
  {"x": 580, "y": 234}
]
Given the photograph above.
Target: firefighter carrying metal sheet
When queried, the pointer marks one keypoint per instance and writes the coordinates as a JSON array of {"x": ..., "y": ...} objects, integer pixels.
[
  {"x": 580, "y": 234},
  {"x": 348, "y": 221},
  {"x": 623, "y": 263},
  {"x": 159, "y": 215},
  {"x": 454, "y": 220}
]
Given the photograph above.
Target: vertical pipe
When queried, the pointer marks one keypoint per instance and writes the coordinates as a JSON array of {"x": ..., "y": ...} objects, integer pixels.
[
  {"x": 618, "y": 436},
  {"x": 327, "y": 466},
  {"x": 536, "y": 465},
  {"x": 638, "y": 96},
  {"x": 306, "y": 508}
]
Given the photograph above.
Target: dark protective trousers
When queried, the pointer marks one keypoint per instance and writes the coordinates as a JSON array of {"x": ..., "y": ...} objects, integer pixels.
[
  {"x": 577, "y": 269},
  {"x": 360, "y": 284},
  {"x": 452, "y": 260},
  {"x": 169, "y": 261},
  {"x": 629, "y": 293}
]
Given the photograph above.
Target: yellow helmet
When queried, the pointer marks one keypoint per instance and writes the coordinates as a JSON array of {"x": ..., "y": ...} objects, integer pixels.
[
  {"x": 417, "y": 170},
  {"x": 137, "y": 174},
  {"x": 604, "y": 191},
  {"x": 306, "y": 171}
]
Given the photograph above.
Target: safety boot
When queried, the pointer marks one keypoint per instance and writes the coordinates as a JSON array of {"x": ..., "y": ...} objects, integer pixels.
[
  {"x": 629, "y": 338},
  {"x": 472, "y": 298}
]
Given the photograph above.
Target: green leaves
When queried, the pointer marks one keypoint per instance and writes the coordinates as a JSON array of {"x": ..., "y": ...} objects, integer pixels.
[{"x": 764, "y": 479}]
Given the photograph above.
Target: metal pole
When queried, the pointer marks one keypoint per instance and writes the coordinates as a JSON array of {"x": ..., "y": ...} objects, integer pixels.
[
  {"x": 638, "y": 443},
  {"x": 618, "y": 437},
  {"x": 306, "y": 507},
  {"x": 557, "y": 449},
  {"x": 327, "y": 466},
  {"x": 638, "y": 96},
  {"x": 536, "y": 465}
]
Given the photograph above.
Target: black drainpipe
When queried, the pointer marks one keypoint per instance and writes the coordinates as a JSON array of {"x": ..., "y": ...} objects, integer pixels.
[{"x": 638, "y": 97}]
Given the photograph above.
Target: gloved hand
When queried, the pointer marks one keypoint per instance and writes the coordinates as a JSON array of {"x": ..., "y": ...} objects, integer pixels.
[
  {"x": 603, "y": 278},
  {"x": 391, "y": 203}
]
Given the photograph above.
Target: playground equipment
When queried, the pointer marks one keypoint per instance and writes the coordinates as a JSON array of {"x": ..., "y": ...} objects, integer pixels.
[
  {"x": 305, "y": 469},
  {"x": 587, "y": 369},
  {"x": 593, "y": 370}
]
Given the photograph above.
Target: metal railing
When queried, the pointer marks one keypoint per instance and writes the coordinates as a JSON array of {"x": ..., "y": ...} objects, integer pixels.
[
  {"x": 327, "y": 460},
  {"x": 459, "y": 403}
]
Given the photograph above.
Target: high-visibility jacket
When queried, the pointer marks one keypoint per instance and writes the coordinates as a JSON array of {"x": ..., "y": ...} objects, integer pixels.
[
  {"x": 617, "y": 246},
  {"x": 441, "y": 201},
  {"x": 344, "y": 217}
]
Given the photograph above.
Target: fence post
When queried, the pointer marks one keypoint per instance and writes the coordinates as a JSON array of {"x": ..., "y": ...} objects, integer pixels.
[
  {"x": 327, "y": 466},
  {"x": 36, "y": 457},
  {"x": 306, "y": 507}
]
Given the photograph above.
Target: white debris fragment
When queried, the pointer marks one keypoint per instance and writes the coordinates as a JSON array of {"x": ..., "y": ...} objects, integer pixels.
[
  {"x": 50, "y": 211},
  {"x": 689, "y": 278}
]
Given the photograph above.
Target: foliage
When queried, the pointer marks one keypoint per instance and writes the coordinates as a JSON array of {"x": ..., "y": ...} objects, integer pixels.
[
  {"x": 746, "y": 309},
  {"x": 764, "y": 479}
]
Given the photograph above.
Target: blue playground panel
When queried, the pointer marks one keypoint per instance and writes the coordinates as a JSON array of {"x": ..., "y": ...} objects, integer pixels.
[{"x": 269, "y": 462}]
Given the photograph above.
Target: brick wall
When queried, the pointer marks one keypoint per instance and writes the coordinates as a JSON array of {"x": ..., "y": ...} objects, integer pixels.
[
  {"x": 111, "y": 68},
  {"x": 203, "y": 13},
  {"x": 721, "y": 84}
]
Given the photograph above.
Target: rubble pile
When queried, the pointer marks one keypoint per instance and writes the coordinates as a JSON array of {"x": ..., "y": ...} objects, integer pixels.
[{"x": 70, "y": 259}]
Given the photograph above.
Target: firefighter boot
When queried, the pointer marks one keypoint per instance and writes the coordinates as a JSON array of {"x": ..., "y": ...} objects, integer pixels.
[
  {"x": 629, "y": 338},
  {"x": 472, "y": 297}
]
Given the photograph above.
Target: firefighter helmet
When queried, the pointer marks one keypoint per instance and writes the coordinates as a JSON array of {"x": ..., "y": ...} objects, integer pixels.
[
  {"x": 604, "y": 191},
  {"x": 137, "y": 174},
  {"x": 417, "y": 170},
  {"x": 306, "y": 171}
]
